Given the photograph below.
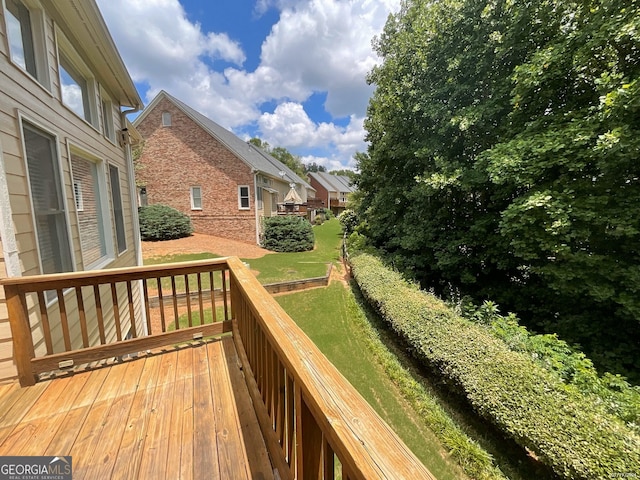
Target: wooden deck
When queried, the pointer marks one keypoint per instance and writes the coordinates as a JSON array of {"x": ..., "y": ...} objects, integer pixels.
[{"x": 182, "y": 413}]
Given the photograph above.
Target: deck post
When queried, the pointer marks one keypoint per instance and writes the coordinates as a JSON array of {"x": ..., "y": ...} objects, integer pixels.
[{"x": 23, "y": 350}]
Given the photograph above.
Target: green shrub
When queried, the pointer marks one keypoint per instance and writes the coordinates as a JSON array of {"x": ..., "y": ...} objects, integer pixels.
[
  {"x": 328, "y": 214},
  {"x": 576, "y": 437},
  {"x": 349, "y": 221},
  {"x": 287, "y": 233},
  {"x": 161, "y": 222},
  {"x": 568, "y": 364}
]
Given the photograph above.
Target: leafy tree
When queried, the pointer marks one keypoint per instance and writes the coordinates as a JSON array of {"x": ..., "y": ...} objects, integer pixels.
[
  {"x": 314, "y": 167},
  {"x": 503, "y": 158},
  {"x": 258, "y": 142},
  {"x": 292, "y": 161}
]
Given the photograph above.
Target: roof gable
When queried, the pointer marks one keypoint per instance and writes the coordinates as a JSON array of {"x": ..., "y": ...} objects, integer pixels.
[{"x": 256, "y": 158}]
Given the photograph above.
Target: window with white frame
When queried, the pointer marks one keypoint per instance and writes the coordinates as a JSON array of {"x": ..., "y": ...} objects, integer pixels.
[
  {"x": 45, "y": 185},
  {"x": 196, "y": 198},
  {"x": 243, "y": 197},
  {"x": 116, "y": 205},
  {"x": 77, "y": 85},
  {"x": 259, "y": 198},
  {"x": 106, "y": 110},
  {"x": 90, "y": 189},
  {"x": 166, "y": 119},
  {"x": 25, "y": 32}
]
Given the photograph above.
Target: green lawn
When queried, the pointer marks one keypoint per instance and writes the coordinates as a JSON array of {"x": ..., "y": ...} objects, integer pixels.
[
  {"x": 280, "y": 267},
  {"x": 326, "y": 315},
  {"x": 183, "y": 320},
  {"x": 193, "y": 278}
]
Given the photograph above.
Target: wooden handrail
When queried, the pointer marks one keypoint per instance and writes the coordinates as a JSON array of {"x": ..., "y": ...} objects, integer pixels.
[
  {"x": 308, "y": 410},
  {"x": 104, "y": 300},
  {"x": 54, "y": 281}
]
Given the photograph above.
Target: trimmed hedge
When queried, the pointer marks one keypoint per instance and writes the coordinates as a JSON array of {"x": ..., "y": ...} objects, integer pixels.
[
  {"x": 161, "y": 222},
  {"x": 288, "y": 233},
  {"x": 572, "y": 435},
  {"x": 567, "y": 363}
]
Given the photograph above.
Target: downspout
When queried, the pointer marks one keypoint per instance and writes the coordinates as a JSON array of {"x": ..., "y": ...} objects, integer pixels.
[
  {"x": 255, "y": 204},
  {"x": 7, "y": 232},
  {"x": 133, "y": 194}
]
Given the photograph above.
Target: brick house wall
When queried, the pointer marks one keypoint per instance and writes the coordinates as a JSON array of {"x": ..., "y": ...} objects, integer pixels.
[
  {"x": 183, "y": 155},
  {"x": 321, "y": 192}
]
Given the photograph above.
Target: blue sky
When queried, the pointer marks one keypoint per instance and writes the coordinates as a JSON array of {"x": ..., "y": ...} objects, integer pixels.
[{"x": 292, "y": 72}]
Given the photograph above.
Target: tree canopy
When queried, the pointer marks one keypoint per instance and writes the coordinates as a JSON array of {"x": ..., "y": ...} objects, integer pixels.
[
  {"x": 285, "y": 156},
  {"x": 503, "y": 160},
  {"x": 314, "y": 167}
]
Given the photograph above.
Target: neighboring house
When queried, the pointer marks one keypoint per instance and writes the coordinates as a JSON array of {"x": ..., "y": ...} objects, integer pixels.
[
  {"x": 224, "y": 184},
  {"x": 67, "y": 192},
  {"x": 332, "y": 190}
]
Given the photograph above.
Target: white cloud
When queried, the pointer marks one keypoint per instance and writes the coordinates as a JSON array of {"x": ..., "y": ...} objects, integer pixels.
[
  {"x": 316, "y": 46},
  {"x": 326, "y": 46},
  {"x": 72, "y": 98},
  {"x": 290, "y": 126}
]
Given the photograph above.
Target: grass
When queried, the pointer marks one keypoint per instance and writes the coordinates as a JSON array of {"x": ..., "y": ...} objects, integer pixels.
[
  {"x": 332, "y": 318},
  {"x": 183, "y": 320},
  {"x": 182, "y": 257},
  {"x": 278, "y": 267},
  {"x": 165, "y": 282}
]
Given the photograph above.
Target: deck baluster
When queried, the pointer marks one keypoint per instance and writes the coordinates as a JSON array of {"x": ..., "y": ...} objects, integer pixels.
[
  {"x": 213, "y": 297},
  {"x": 116, "y": 311},
  {"x": 132, "y": 313},
  {"x": 64, "y": 323},
  {"x": 83, "y": 317},
  {"x": 200, "y": 303},
  {"x": 175, "y": 302},
  {"x": 188, "y": 297},
  {"x": 44, "y": 318},
  {"x": 163, "y": 325},
  {"x": 147, "y": 311},
  {"x": 99, "y": 315}
]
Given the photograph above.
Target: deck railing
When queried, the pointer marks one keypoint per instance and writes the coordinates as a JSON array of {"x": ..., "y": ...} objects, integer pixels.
[
  {"x": 313, "y": 421},
  {"x": 117, "y": 306}
]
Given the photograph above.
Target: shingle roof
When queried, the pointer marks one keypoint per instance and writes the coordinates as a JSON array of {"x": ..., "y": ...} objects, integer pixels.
[
  {"x": 255, "y": 157},
  {"x": 333, "y": 183}
]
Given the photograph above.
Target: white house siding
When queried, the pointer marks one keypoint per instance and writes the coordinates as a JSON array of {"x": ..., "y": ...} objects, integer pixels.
[{"x": 21, "y": 96}]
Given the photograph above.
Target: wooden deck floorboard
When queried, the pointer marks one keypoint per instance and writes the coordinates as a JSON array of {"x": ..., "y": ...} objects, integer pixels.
[{"x": 184, "y": 413}]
